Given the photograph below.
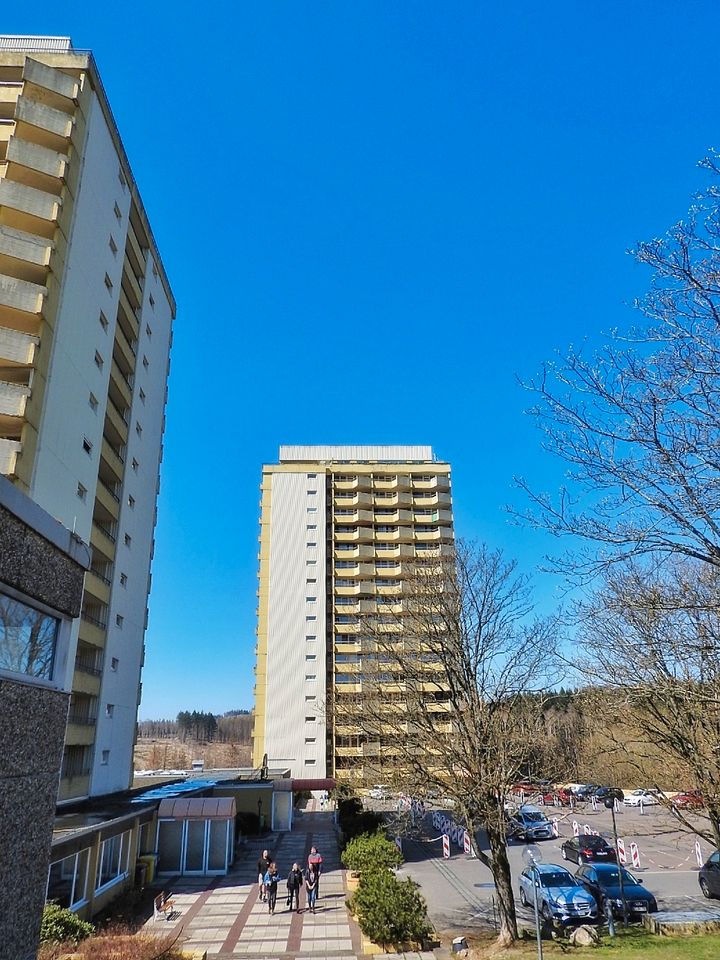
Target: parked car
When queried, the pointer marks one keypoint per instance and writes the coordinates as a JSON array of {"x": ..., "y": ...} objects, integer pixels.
[
  {"x": 609, "y": 793},
  {"x": 690, "y": 800},
  {"x": 709, "y": 876},
  {"x": 529, "y": 823},
  {"x": 602, "y": 880},
  {"x": 563, "y": 796},
  {"x": 648, "y": 798},
  {"x": 584, "y": 790},
  {"x": 560, "y": 897},
  {"x": 588, "y": 849},
  {"x": 379, "y": 792}
]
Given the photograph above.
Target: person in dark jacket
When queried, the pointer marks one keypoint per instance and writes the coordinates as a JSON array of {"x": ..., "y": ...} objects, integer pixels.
[
  {"x": 271, "y": 885},
  {"x": 294, "y": 885},
  {"x": 263, "y": 865},
  {"x": 315, "y": 860},
  {"x": 311, "y": 882}
]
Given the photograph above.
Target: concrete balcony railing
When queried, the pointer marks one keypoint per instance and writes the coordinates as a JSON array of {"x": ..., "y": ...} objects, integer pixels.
[
  {"x": 35, "y": 157},
  {"x": 13, "y": 397},
  {"x": 16, "y": 346},
  {"x": 50, "y": 79},
  {"x": 46, "y": 118},
  {"x": 37, "y": 203},
  {"x": 9, "y": 450},
  {"x": 21, "y": 294},
  {"x": 25, "y": 246}
]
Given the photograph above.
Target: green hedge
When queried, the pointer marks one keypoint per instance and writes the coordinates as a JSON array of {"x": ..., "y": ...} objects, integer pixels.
[
  {"x": 370, "y": 851},
  {"x": 388, "y": 910},
  {"x": 62, "y": 926}
]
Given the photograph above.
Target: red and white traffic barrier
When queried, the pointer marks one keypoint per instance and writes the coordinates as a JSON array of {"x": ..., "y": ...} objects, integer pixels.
[
  {"x": 622, "y": 856},
  {"x": 467, "y": 846},
  {"x": 593, "y": 801},
  {"x": 635, "y": 854},
  {"x": 576, "y": 828},
  {"x": 586, "y": 830},
  {"x": 446, "y": 847},
  {"x": 555, "y": 828},
  {"x": 698, "y": 853}
]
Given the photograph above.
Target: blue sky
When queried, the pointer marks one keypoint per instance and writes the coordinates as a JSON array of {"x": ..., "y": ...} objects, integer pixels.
[{"x": 375, "y": 217}]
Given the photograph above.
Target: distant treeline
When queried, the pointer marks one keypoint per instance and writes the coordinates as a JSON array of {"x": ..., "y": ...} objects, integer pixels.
[{"x": 235, "y": 726}]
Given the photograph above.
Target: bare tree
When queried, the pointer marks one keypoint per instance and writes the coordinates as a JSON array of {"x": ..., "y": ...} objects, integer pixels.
[
  {"x": 447, "y": 669},
  {"x": 651, "y": 637},
  {"x": 639, "y": 423}
]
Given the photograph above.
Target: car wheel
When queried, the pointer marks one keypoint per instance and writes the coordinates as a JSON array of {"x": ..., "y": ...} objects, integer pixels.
[
  {"x": 563, "y": 853},
  {"x": 523, "y": 898},
  {"x": 545, "y": 913},
  {"x": 705, "y": 889}
]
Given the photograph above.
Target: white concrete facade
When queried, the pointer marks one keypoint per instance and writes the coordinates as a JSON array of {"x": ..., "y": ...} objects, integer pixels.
[{"x": 296, "y": 719}]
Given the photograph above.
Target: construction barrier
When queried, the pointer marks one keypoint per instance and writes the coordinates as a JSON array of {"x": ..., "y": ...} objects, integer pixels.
[
  {"x": 698, "y": 853},
  {"x": 635, "y": 854},
  {"x": 593, "y": 801},
  {"x": 467, "y": 846},
  {"x": 622, "y": 856},
  {"x": 586, "y": 830},
  {"x": 576, "y": 829},
  {"x": 446, "y": 847},
  {"x": 555, "y": 828}
]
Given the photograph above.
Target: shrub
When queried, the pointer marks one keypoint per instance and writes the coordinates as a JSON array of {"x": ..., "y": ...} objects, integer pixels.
[
  {"x": 390, "y": 910},
  {"x": 370, "y": 851},
  {"x": 119, "y": 942},
  {"x": 62, "y": 926}
]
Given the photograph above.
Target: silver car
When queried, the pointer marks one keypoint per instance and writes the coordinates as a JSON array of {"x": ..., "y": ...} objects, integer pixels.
[
  {"x": 560, "y": 898},
  {"x": 529, "y": 823}
]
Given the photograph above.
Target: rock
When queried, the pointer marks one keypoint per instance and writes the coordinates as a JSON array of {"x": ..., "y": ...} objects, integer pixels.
[{"x": 584, "y": 936}]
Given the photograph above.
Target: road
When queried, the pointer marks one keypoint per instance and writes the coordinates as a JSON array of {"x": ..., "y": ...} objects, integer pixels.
[{"x": 460, "y": 891}]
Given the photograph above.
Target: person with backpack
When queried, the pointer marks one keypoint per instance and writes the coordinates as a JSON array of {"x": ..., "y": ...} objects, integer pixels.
[
  {"x": 316, "y": 861},
  {"x": 271, "y": 885},
  {"x": 294, "y": 885},
  {"x": 311, "y": 884}
]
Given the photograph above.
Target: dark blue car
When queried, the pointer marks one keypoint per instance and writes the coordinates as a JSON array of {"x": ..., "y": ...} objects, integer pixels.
[{"x": 602, "y": 880}]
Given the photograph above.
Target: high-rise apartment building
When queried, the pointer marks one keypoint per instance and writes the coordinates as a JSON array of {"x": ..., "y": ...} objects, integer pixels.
[
  {"x": 339, "y": 526},
  {"x": 85, "y": 331}
]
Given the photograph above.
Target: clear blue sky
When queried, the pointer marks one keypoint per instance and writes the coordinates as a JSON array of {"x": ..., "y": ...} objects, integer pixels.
[{"x": 375, "y": 215}]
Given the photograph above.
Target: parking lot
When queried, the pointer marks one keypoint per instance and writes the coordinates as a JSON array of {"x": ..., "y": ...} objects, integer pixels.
[{"x": 460, "y": 891}]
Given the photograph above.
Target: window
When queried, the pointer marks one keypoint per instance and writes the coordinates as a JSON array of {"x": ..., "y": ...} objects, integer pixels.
[
  {"x": 27, "y": 639},
  {"x": 311, "y": 599},
  {"x": 128, "y": 539},
  {"x": 119, "y": 620},
  {"x": 114, "y": 663},
  {"x": 311, "y": 544},
  {"x": 344, "y": 529},
  {"x": 310, "y": 739},
  {"x": 135, "y": 464},
  {"x": 346, "y": 546},
  {"x": 138, "y": 428},
  {"x": 67, "y": 880},
  {"x": 309, "y": 719},
  {"x": 310, "y": 763},
  {"x": 146, "y": 362},
  {"x": 93, "y": 401},
  {"x": 123, "y": 579},
  {"x": 81, "y": 491},
  {"x": 310, "y": 656},
  {"x": 310, "y": 618},
  {"x": 310, "y": 580},
  {"x": 385, "y": 529},
  {"x": 311, "y": 563},
  {"x": 113, "y": 246},
  {"x": 105, "y": 758},
  {"x": 310, "y": 637},
  {"x": 312, "y": 476},
  {"x": 99, "y": 362},
  {"x": 87, "y": 446},
  {"x": 103, "y": 321},
  {"x": 345, "y": 601},
  {"x": 310, "y": 677},
  {"x": 344, "y": 564},
  {"x": 116, "y": 208},
  {"x": 311, "y": 493},
  {"x": 312, "y": 509},
  {"x": 131, "y": 502},
  {"x": 385, "y": 512},
  {"x": 151, "y": 301},
  {"x": 112, "y": 859},
  {"x": 141, "y": 394},
  {"x": 108, "y": 283},
  {"x": 109, "y": 709},
  {"x": 311, "y": 526},
  {"x": 310, "y": 698}
]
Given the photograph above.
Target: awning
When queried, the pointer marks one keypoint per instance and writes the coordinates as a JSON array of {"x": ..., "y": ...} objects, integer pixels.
[{"x": 197, "y": 808}]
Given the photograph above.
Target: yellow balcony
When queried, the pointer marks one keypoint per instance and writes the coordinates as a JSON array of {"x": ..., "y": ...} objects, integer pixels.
[
  {"x": 35, "y": 166},
  {"x": 383, "y": 536},
  {"x": 125, "y": 347},
  {"x": 13, "y": 397},
  {"x": 97, "y": 588},
  {"x": 349, "y": 608},
  {"x": 131, "y": 286},
  {"x": 346, "y": 537},
  {"x": 108, "y": 499},
  {"x": 30, "y": 200},
  {"x": 21, "y": 294},
  {"x": 352, "y": 591},
  {"x": 86, "y": 683},
  {"x": 112, "y": 459},
  {"x": 121, "y": 382},
  {"x": 50, "y": 79},
  {"x": 79, "y": 734},
  {"x": 427, "y": 535},
  {"x": 25, "y": 247},
  {"x": 57, "y": 123},
  {"x": 74, "y": 787}
]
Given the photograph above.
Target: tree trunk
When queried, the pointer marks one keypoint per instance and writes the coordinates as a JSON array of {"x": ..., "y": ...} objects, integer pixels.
[{"x": 508, "y": 931}]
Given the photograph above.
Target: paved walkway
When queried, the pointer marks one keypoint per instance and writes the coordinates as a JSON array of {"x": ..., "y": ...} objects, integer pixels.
[{"x": 223, "y": 915}]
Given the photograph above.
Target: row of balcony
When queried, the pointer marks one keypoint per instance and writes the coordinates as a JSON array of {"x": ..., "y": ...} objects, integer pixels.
[
  {"x": 387, "y": 515},
  {"x": 399, "y": 498},
  {"x": 364, "y": 544},
  {"x": 387, "y": 481}
]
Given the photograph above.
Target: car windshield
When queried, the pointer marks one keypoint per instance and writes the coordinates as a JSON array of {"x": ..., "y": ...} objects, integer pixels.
[
  {"x": 560, "y": 879},
  {"x": 611, "y": 878},
  {"x": 533, "y": 816}
]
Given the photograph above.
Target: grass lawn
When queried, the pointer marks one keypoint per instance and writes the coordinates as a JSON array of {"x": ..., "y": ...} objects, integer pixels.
[{"x": 636, "y": 944}]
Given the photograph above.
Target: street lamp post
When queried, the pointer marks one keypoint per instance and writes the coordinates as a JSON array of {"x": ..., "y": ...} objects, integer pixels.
[
  {"x": 610, "y": 804},
  {"x": 533, "y": 856}
]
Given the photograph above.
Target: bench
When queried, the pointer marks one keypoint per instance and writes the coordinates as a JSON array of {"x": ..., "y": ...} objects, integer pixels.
[{"x": 163, "y": 904}]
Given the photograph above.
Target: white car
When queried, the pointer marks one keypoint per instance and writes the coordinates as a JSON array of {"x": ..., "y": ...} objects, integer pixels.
[
  {"x": 379, "y": 792},
  {"x": 647, "y": 797}
]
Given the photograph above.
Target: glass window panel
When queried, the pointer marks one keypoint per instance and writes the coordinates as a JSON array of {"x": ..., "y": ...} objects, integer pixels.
[
  {"x": 195, "y": 852},
  {"x": 169, "y": 846},
  {"x": 217, "y": 846},
  {"x": 27, "y": 639}
]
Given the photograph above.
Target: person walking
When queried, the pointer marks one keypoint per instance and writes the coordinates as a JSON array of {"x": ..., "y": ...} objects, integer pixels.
[
  {"x": 316, "y": 861},
  {"x": 263, "y": 866},
  {"x": 294, "y": 885},
  {"x": 271, "y": 885},
  {"x": 311, "y": 885}
]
